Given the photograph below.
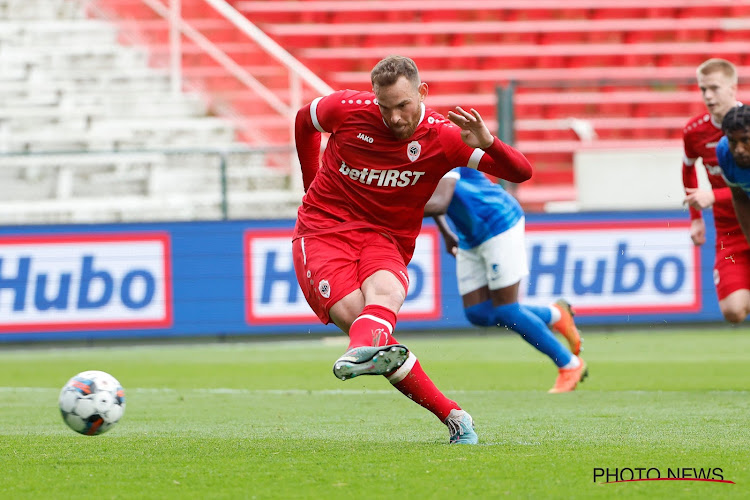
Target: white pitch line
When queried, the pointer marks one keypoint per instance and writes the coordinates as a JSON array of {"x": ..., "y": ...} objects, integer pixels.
[{"x": 345, "y": 392}]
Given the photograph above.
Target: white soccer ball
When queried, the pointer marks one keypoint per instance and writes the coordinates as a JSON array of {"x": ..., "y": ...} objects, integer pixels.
[{"x": 92, "y": 402}]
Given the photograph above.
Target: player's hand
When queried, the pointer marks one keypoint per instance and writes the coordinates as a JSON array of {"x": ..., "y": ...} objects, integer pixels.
[
  {"x": 451, "y": 243},
  {"x": 698, "y": 231},
  {"x": 699, "y": 198},
  {"x": 473, "y": 130}
]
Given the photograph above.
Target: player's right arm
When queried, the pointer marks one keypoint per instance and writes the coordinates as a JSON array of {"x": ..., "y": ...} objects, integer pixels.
[
  {"x": 742, "y": 209},
  {"x": 307, "y": 142},
  {"x": 695, "y": 198},
  {"x": 313, "y": 119}
]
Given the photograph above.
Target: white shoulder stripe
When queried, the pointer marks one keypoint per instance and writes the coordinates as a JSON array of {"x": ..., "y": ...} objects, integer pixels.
[
  {"x": 474, "y": 159},
  {"x": 314, "y": 114}
]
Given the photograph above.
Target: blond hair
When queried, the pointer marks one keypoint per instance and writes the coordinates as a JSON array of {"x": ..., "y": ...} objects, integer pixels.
[{"x": 715, "y": 64}]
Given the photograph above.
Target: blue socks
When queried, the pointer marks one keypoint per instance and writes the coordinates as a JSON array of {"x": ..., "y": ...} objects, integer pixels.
[
  {"x": 543, "y": 312},
  {"x": 480, "y": 314},
  {"x": 524, "y": 321}
]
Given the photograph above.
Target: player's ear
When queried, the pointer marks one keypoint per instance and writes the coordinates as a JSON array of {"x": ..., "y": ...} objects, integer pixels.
[{"x": 422, "y": 91}]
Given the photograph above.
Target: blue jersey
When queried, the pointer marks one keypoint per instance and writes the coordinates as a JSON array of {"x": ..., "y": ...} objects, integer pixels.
[
  {"x": 734, "y": 175},
  {"x": 480, "y": 209}
]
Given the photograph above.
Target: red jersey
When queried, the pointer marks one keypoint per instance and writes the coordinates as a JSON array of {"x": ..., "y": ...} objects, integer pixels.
[
  {"x": 370, "y": 179},
  {"x": 700, "y": 136}
]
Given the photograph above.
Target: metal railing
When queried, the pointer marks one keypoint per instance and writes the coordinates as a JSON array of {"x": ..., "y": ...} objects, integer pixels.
[
  {"x": 145, "y": 185},
  {"x": 242, "y": 80}
]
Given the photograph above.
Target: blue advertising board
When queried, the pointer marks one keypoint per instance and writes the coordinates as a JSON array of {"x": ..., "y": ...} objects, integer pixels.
[{"x": 236, "y": 277}]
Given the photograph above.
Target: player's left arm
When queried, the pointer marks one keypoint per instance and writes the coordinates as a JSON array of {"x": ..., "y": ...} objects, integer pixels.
[
  {"x": 742, "y": 209},
  {"x": 500, "y": 160}
]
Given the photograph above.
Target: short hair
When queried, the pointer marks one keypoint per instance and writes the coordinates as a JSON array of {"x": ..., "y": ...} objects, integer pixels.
[
  {"x": 736, "y": 119},
  {"x": 715, "y": 64},
  {"x": 389, "y": 70}
]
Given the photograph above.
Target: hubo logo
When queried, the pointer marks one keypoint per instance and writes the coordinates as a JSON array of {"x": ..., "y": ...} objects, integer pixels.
[
  {"x": 273, "y": 296},
  {"x": 614, "y": 267},
  {"x": 84, "y": 282}
]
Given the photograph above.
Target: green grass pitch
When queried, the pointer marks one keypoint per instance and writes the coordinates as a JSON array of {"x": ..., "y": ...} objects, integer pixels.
[{"x": 269, "y": 420}]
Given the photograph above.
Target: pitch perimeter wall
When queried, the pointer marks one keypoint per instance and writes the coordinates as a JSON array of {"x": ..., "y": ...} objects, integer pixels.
[{"x": 236, "y": 277}]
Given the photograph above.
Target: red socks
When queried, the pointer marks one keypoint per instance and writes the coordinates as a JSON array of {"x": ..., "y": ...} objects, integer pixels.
[
  {"x": 374, "y": 327},
  {"x": 414, "y": 383}
]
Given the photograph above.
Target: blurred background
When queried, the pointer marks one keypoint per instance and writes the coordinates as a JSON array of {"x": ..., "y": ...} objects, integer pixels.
[{"x": 146, "y": 151}]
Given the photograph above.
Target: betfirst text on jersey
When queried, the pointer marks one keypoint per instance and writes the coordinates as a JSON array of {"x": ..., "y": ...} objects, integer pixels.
[
  {"x": 74, "y": 282},
  {"x": 615, "y": 267},
  {"x": 272, "y": 295}
]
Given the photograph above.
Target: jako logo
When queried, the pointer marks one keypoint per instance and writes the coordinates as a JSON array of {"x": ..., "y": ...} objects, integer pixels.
[
  {"x": 612, "y": 268},
  {"x": 365, "y": 138},
  {"x": 84, "y": 282},
  {"x": 273, "y": 296}
]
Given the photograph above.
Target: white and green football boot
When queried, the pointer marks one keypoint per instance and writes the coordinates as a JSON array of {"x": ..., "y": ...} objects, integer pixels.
[
  {"x": 461, "y": 426},
  {"x": 367, "y": 360}
]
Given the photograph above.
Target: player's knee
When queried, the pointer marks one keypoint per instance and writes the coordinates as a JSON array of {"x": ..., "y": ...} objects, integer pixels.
[
  {"x": 735, "y": 315},
  {"x": 480, "y": 314},
  {"x": 507, "y": 315}
]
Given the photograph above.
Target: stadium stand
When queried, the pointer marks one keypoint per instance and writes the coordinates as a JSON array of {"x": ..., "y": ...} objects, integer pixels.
[
  {"x": 90, "y": 132},
  {"x": 588, "y": 74}
]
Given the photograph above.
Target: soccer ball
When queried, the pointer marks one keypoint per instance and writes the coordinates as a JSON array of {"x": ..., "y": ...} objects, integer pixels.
[{"x": 92, "y": 402}]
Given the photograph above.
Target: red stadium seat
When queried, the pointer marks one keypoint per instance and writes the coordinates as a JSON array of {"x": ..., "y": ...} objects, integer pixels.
[{"x": 625, "y": 66}]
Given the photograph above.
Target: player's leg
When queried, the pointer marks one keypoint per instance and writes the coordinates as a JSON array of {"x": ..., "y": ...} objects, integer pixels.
[
  {"x": 384, "y": 288},
  {"x": 371, "y": 350},
  {"x": 509, "y": 313},
  {"x": 736, "y": 306},
  {"x": 559, "y": 317},
  {"x": 732, "y": 276},
  {"x": 327, "y": 273},
  {"x": 412, "y": 381},
  {"x": 505, "y": 264}
]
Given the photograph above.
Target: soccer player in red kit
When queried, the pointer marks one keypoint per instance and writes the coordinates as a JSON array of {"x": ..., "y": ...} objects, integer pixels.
[
  {"x": 363, "y": 209},
  {"x": 717, "y": 80}
]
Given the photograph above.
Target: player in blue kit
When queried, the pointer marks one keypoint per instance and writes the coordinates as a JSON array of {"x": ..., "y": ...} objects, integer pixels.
[
  {"x": 733, "y": 153},
  {"x": 490, "y": 263}
]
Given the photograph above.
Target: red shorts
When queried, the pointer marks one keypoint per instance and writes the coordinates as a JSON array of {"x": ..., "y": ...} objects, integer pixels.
[
  {"x": 732, "y": 264},
  {"x": 331, "y": 266}
]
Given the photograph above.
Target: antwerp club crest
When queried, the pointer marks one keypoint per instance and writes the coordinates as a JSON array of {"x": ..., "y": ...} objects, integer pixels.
[
  {"x": 413, "y": 150},
  {"x": 324, "y": 288}
]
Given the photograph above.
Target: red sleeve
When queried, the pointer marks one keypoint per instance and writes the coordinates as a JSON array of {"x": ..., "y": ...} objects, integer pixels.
[
  {"x": 722, "y": 194},
  {"x": 324, "y": 114},
  {"x": 689, "y": 174},
  {"x": 690, "y": 180},
  {"x": 307, "y": 140},
  {"x": 502, "y": 160}
]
